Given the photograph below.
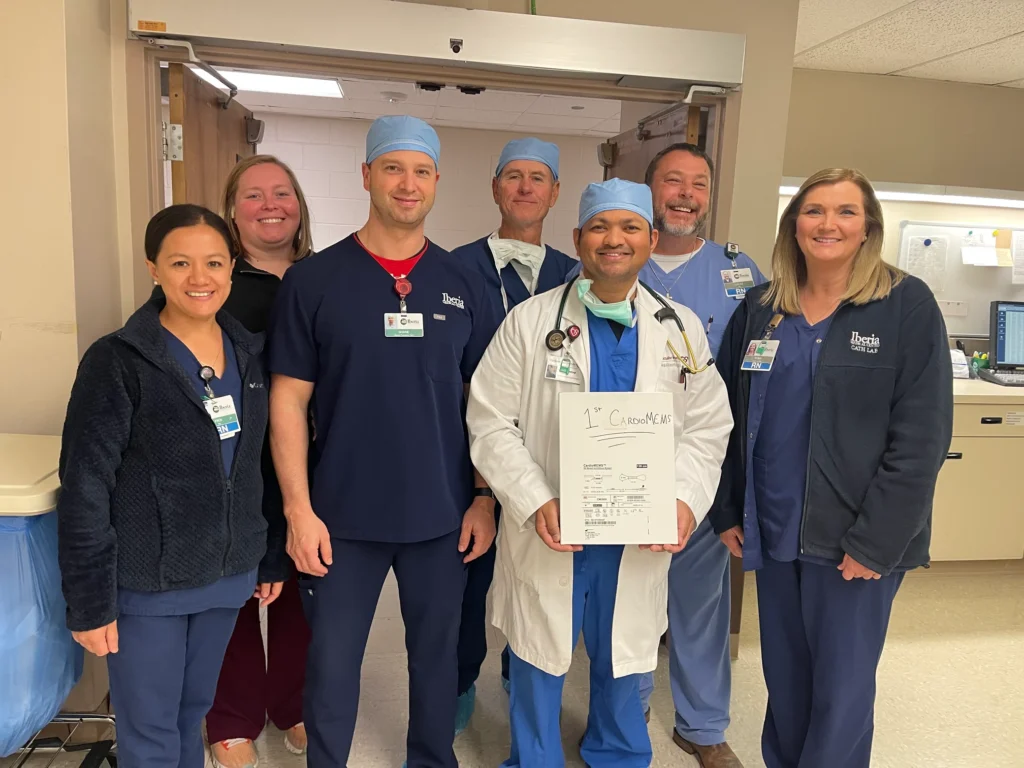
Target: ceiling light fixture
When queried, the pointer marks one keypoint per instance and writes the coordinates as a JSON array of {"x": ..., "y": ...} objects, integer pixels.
[
  {"x": 258, "y": 82},
  {"x": 918, "y": 197}
]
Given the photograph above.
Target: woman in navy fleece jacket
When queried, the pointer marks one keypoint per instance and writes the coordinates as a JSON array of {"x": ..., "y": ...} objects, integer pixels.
[
  {"x": 840, "y": 384},
  {"x": 161, "y": 530}
]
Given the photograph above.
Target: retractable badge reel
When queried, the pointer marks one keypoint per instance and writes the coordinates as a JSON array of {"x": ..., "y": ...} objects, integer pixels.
[
  {"x": 403, "y": 324},
  {"x": 220, "y": 409}
]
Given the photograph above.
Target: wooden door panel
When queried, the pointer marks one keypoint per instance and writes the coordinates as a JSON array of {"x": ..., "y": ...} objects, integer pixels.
[{"x": 213, "y": 138}]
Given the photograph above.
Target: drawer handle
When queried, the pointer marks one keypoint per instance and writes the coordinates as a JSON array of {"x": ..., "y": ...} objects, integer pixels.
[
  {"x": 991, "y": 419},
  {"x": 954, "y": 455}
]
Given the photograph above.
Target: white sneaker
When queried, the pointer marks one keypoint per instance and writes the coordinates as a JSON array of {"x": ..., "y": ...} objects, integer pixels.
[
  {"x": 298, "y": 746},
  {"x": 234, "y": 753}
]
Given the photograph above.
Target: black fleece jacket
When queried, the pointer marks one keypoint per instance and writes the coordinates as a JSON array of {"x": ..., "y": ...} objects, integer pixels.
[
  {"x": 881, "y": 425},
  {"x": 145, "y": 504}
]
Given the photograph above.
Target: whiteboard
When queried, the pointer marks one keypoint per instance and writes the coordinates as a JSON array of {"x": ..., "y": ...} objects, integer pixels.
[{"x": 978, "y": 287}]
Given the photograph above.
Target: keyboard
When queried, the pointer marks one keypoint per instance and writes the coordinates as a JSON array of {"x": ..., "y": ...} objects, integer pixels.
[{"x": 1003, "y": 378}]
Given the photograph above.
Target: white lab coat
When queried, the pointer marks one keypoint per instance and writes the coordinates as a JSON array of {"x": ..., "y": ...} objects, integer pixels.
[{"x": 513, "y": 429}]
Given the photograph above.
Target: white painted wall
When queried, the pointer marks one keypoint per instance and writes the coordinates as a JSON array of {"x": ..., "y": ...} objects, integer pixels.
[{"x": 326, "y": 155}]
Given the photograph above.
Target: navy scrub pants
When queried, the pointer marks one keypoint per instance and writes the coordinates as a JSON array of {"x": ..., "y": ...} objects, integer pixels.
[
  {"x": 431, "y": 580},
  {"x": 821, "y": 640},
  {"x": 162, "y": 683},
  {"x": 616, "y": 735},
  {"x": 473, "y": 629}
]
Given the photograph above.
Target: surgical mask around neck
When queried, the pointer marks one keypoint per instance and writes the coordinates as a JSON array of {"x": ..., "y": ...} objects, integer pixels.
[{"x": 620, "y": 312}]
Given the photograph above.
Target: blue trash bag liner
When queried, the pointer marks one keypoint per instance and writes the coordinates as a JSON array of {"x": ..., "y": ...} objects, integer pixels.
[{"x": 39, "y": 662}]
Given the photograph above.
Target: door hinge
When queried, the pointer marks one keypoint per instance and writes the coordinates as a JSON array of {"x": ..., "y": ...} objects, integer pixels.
[{"x": 173, "y": 144}]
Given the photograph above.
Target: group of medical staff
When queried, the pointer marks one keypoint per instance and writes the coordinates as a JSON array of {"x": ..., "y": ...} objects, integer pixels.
[{"x": 411, "y": 396}]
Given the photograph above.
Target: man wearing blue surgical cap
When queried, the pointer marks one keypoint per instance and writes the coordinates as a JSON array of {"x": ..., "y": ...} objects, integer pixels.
[
  {"x": 602, "y": 332},
  {"x": 381, "y": 332},
  {"x": 515, "y": 264}
]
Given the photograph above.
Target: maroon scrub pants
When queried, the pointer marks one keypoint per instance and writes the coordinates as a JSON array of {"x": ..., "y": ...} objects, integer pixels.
[{"x": 254, "y": 687}]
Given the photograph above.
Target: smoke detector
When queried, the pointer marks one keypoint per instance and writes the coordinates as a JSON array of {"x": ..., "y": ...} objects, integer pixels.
[{"x": 393, "y": 97}]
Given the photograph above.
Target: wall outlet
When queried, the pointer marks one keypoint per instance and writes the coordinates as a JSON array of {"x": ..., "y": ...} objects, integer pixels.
[{"x": 953, "y": 308}]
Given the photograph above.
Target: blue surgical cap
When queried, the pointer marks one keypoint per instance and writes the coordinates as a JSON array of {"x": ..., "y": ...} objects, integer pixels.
[
  {"x": 393, "y": 133},
  {"x": 616, "y": 195},
  {"x": 529, "y": 149}
]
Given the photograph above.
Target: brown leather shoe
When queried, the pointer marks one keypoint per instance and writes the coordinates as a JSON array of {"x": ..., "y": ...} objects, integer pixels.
[{"x": 715, "y": 756}]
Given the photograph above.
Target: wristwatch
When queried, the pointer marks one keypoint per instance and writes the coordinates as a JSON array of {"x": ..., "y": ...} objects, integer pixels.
[{"x": 483, "y": 492}]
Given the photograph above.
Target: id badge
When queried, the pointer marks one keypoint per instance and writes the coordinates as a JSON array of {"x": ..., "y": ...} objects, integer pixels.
[
  {"x": 561, "y": 367},
  {"x": 760, "y": 355},
  {"x": 403, "y": 325},
  {"x": 225, "y": 418},
  {"x": 737, "y": 282}
]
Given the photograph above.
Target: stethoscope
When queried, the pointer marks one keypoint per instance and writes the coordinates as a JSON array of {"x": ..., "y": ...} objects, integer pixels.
[{"x": 556, "y": 337}]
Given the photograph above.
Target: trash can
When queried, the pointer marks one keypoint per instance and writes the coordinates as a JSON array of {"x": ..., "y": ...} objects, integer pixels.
[{"x": 39, "y": 661}]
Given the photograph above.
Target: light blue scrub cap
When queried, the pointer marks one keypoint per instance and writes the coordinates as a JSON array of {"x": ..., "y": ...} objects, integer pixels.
[
  {"x": 529, "y": 149},
  {"x": 392, "y": 133},
  {"x": 616, "y": 195}
]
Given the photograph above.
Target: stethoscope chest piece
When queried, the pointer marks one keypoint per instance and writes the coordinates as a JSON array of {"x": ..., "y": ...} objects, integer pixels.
[{"x": 555, "y": 339}]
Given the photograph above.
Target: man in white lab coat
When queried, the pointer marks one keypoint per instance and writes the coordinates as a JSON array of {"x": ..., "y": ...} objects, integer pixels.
[{"x": 607, "y": 338}]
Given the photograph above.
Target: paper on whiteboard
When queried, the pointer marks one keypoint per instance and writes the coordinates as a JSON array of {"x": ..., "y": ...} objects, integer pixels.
[
  {"x": 979, "y": 256},
  {"x": 928, "y": 262},
  {"x": 617, "y": 468},
  {"x": 1018, "y": 258}
]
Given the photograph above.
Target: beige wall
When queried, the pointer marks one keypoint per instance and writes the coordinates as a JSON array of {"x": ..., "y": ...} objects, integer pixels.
[
  {"x": 38, "y": 339},
  {"x": 898, "y": 129},
  {"x": 61, "y": 270},
  {"x": 93, "y": 188},
  {"x": 755, "y": 118}
]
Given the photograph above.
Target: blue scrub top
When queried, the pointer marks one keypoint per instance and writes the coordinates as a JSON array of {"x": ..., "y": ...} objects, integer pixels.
[
  {"x": 553, "y": 272},
  {"x": 778, "y": 440},
  {"x": 227, "y": 592},
  {"x": 613, "y": 358},
  {"x": 698, "y": 285},
  {"x": 229, "y": 384},
  {"x": 392, "y": 452}
]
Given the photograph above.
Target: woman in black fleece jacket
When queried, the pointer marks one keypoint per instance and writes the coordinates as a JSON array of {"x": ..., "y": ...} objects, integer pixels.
[{"x": 162, "y": 535}]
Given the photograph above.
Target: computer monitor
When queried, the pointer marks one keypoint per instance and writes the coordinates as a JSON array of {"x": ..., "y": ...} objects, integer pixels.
[{"x": 1006, "y": 335}]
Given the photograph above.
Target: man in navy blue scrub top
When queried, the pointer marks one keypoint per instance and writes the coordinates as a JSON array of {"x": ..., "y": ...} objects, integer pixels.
[
  {"x": 515, "y": 265},
  {"x": 380, "y": 333}
]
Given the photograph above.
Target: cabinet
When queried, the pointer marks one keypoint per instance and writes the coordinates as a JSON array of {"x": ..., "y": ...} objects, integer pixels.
[{"x": 979, "y": 505}]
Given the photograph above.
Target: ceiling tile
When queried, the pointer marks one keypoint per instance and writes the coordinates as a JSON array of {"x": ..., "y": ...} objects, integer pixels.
[
  {"x": 485, "y": 117},
  {"x": 380, "y": 107},
  {"x": 370, "y": 90},
  {"x": 567, "y": 105},
  {"x": 612, "y": 126},
  {"x": 1015, "y": 84},
  {"x": 497, "y": 101},
  {"x": 997, "y": 62},
  {"x": 557, "y": 122},
  {"x": 916, "y": 34},
  {"x": 821, "y": 20}
]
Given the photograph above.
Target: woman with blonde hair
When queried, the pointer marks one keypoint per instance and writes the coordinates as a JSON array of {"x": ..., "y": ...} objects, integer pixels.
[
  {"x": 841, "y": 389},
  {"x": 269, "y": 222}
]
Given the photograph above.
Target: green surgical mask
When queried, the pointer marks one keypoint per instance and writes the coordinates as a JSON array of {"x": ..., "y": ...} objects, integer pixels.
[{"x": 620, "y": 312}]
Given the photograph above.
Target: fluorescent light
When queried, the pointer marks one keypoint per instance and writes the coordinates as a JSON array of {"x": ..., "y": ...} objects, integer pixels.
[
  {"x": 257, "y": 82},
  {"x": 918, "y": 197}
]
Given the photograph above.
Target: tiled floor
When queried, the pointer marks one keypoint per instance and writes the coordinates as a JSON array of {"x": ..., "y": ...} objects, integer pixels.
[{"x": 951, "y": 685}]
